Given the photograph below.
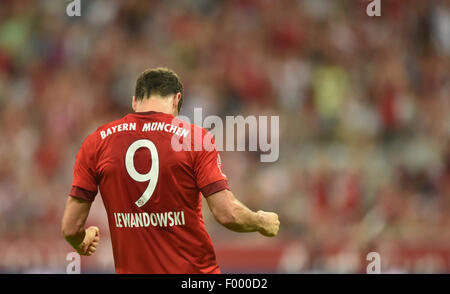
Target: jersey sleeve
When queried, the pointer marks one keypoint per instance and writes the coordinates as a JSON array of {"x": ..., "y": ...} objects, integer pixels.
[
  {"x": 84, "y": 183},
  {"x": 208, "y": 168}
]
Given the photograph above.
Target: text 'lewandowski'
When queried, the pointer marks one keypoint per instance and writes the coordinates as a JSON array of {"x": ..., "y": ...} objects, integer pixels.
[{"x": 154, "y": 219}]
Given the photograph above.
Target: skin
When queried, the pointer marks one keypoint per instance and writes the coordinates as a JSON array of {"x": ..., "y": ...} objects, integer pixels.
[
  {"x": 84, "y": 241},
  {"x": 168, "y": 104},
  {"x": 235, "y": 216},
  {"x": 227, "y": 210}
]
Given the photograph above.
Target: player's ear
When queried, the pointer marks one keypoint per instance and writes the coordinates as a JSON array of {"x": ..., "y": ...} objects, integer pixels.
[
  {"x": 133, "y": 103},
  {"x": 177, "y": 102}
]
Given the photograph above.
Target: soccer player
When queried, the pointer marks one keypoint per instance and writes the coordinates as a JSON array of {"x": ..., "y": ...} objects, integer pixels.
[{"x": 151, "y": 191}]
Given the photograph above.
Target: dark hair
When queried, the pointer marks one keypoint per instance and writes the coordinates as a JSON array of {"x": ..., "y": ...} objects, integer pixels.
[{"x": 158, "y": 81}]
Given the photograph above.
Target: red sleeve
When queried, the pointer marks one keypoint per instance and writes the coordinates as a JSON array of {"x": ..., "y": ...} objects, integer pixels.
[
  {"x": 84, "y": 183},
  {"x": 208, "y": 169},
  {"x": 78, "y": 192}
]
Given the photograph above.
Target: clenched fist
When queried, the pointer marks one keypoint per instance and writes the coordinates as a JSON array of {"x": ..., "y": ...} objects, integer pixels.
[
  {"x": 270, "y": 223},
  {"x": 90, "y": 241}
]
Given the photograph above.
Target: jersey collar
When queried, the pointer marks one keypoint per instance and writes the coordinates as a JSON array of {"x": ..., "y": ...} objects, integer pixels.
[{"x": 148, "y": 112}]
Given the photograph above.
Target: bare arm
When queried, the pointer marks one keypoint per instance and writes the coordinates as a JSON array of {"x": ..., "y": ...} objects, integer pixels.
[
  {"x": 235, "y": 216},
  {"x": 84, "y": 241}
]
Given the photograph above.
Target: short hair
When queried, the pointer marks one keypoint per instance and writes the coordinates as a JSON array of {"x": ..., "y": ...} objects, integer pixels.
[{"x": 157, "y": 81}]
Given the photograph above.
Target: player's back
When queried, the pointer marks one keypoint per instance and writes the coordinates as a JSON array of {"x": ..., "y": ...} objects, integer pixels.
[{"x": 152, "y": 192}]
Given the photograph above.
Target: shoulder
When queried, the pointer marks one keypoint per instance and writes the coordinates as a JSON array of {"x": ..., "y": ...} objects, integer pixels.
[
  {"x": 109, "y": 124},
  {"x": 109, "y": 128},
  {"x": 200, "y": 138},
  {"x": 94, "y": 136},
  {"x": 195, "y": 129},
  {"x": 89, "y": 142}
]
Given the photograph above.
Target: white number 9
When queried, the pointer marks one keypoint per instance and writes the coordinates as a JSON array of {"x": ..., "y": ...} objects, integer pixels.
[{"x": 151, "y": 176}]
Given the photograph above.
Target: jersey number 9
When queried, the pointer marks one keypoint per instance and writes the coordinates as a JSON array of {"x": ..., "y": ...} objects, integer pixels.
[{"x": 151, "y": 177}]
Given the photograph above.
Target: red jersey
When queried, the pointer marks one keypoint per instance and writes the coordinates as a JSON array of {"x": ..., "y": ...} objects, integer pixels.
[{"x": 151, "y": 191}]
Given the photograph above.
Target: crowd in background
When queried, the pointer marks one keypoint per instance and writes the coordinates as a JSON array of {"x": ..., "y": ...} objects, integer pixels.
[{"x": 364, "y": 106}]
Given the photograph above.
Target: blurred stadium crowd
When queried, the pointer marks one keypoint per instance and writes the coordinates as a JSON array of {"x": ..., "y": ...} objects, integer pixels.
[{"x": 363, "y": 102}]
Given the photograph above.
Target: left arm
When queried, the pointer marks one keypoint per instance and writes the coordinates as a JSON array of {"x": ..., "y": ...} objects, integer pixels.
[{"x": 84, "y": 241}]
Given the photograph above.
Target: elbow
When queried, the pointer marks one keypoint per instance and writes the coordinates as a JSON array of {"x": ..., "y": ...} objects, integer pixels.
[{"x": 70, "y": 231}]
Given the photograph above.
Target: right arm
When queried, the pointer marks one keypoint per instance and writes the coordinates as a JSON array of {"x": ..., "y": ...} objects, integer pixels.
[
  {"x": 235, "y": 216},
  {"x": 227, "y": 210}
]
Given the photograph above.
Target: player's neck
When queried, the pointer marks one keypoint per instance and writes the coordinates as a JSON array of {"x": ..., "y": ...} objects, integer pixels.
[
  {"x": 156, "y": 109},
  {"x": 157, "y": 105}
]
